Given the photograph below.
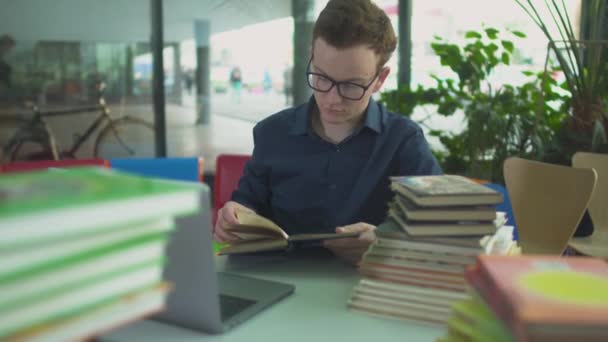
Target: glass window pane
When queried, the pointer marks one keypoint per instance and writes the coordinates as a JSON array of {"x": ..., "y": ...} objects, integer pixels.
[{"x": 62, "y": 52}]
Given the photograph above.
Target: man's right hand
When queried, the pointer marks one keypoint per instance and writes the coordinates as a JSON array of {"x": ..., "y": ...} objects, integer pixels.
[{"x": 226, "y": 217}]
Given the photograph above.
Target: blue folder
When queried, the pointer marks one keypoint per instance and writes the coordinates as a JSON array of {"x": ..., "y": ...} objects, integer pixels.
[{"x": 178, "y": 168}]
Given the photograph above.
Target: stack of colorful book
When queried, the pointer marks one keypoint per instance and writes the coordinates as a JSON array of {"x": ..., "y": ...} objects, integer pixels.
[
  {"x": 81, "y": 250},
  {"x": 446, "y": 205},
  {"x": 533, "y": 298},
  {"x": 436, "y": 227}
]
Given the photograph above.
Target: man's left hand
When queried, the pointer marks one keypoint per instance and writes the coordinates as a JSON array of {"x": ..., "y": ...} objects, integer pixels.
[{"x": 351, "y": 249}]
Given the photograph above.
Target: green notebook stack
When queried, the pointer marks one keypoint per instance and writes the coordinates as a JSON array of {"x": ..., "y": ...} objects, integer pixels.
[{"x": 81, "y": 250}]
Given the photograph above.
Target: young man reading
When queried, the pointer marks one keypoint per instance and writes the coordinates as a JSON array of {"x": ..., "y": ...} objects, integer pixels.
[{"x": 324, "y": 166}]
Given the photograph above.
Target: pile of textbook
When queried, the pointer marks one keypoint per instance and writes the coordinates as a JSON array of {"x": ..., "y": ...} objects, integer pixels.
[
  {"x": 533, "y": 298},
  {"x": 81, "y": 250},
  {"x": 436, "y": 227}
]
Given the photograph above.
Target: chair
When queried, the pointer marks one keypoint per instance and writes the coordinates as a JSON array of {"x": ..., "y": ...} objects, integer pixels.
[
  {"x": 228, "y": 171},
  {"x": 177, "y": 168},
  {"x": 23, "y": 166},
  {"x": 597, "y": 243},
  {"x": 548, "y": 202}
]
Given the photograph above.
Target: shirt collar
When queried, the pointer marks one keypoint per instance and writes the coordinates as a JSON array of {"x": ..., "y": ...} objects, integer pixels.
[{"x": 301, "y": 124}]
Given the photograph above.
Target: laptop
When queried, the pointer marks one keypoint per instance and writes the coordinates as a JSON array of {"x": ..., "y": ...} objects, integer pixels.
[{"x": 203, "y": 299}]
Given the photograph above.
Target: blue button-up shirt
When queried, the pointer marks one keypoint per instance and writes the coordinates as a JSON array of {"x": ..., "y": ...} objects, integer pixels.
[{"x": 307, "y": 185}]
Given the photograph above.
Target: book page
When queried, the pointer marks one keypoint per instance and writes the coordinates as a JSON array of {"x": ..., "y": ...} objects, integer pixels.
[
  {"x": 252, "y": 225},
  {"x": 323, "y": 236}
]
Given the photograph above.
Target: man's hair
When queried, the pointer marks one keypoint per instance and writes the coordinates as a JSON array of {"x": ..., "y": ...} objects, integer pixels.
[{"x": 348, "y": 23}]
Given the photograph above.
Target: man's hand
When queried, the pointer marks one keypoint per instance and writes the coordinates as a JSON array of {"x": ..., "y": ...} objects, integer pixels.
[
  {"x": 351, "y": 249},
  {"x": 226, "y": 217}
]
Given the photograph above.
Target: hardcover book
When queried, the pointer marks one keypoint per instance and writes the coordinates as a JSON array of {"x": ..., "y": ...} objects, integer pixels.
[
  {"x": 444, "y": 190},
  {"x": 546, "y": 296},
  {"x": 51, "y": 205},
  {"x": 258, "y": 233},
  {"x": 447, "y": 228},
  {"x": 89, "y": 323},
  {"x": 452, "y": 213}
]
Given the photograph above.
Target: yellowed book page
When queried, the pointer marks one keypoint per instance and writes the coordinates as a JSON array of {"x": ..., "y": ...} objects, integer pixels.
[
  {"x": 253, "y": 246},
  {"x": 252, "y": 226}
]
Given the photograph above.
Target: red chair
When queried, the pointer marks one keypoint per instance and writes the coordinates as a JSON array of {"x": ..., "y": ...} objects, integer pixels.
[
  {"x": 24, "y": 166},
  {"x": 228, "y": 171}
]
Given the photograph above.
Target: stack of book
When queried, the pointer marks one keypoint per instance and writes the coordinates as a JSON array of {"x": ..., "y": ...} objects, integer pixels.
[
  {"x": 446, "y": 205},
  {"x": 436, "y": 227},
  {"x": 533, "y": 298},
  {"x": 81, "y": 250}
]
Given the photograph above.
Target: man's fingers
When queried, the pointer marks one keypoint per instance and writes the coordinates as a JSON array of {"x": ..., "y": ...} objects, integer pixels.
[
  {"x": 228, "y": 215},
  {"x": 355, "y": 228},
  {"x": 222, "y": 236}
]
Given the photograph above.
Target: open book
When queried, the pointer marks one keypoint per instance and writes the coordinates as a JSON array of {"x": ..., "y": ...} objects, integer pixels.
[{"x": 258, "y": 233}]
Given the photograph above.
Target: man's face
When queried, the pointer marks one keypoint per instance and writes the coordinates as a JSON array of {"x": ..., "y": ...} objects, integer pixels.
[{"x": 357, "y": 65}]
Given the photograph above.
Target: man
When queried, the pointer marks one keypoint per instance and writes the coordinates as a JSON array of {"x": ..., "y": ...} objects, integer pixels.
[
  {"x": 324, "y": 166},
  {"x": 6, "y": 44}
]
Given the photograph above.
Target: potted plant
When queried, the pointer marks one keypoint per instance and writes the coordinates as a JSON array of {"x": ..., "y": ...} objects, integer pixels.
[
  {"x": 499, "y": 121},
  {"x": 585, "y": 69}
]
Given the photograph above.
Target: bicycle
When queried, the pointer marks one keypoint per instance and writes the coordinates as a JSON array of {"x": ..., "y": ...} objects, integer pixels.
[{"x": 33, "y": 139}]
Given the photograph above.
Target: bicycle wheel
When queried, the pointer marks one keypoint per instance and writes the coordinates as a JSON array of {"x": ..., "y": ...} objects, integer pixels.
[
  {"x": 125, "y": 137},
  {"x": 8, "y": 128},
  {"x": 20, "y": 143}
]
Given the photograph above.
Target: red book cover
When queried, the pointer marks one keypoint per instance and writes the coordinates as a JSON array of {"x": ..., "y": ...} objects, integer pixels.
[{"x": 538, "y": 292}]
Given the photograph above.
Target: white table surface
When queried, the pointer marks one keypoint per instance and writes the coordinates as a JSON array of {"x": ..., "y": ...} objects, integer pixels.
[{"x": 317, "y": 310}]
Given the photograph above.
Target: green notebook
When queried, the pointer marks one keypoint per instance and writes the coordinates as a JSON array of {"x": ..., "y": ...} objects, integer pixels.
[
  {"x": 50, "y": 204},
  {"x": 15, "y": 260},
  {"x": 80, "y": 298},
  {"x": 57, "y": 275}
]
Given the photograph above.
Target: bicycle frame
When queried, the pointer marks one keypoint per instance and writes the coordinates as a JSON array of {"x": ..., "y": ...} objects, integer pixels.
[
  {"x": 103, "y": 116},
  {"x": 38, "y": 131}
]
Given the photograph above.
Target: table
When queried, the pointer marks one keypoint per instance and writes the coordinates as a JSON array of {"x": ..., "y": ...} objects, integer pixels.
[{"x": 317, "y": 310}]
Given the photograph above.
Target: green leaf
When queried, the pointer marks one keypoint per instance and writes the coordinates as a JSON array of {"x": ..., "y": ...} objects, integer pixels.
[
  {"x": 506, "y": 59},
  {"x": 518, "y": 34},
  {"x": 472, "y": 34},
  {"x": 527, "y": 73},
  {"x": 508, "y": 45},
  {"x": 492, "y": 33}
]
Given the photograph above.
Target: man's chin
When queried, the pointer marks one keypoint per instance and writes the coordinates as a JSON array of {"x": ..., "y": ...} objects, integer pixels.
[{"x": 334, "y": 118}]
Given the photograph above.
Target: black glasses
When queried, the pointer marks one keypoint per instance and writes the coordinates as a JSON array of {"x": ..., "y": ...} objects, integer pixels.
[{"x": 346, "y": 89}]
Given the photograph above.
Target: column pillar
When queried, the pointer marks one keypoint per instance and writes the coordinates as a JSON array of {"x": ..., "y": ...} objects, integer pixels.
[
  {"x": 202, "y": 32},
  {"x": 404, "y": 69},
  {"x": 303, "y": 12}
]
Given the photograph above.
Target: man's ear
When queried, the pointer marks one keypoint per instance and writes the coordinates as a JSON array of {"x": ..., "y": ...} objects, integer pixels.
[{"x": 381, "y": 78}]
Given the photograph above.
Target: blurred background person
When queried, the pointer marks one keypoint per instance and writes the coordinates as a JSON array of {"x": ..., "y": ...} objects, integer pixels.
[
  {"x": 287, "y": 84},
  {"x": 6, "y": 44},
  {"x": 267, "y": 81},
  {"x": 236, "y": 83}
]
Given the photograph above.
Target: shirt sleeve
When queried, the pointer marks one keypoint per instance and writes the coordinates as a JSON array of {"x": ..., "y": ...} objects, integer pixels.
[
  {"x": 416, "y": 158},
  {"x": 253, "y": 187}
]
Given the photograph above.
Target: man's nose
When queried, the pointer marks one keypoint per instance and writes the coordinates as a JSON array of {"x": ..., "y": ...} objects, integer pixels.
[{"x": 333, "y": 96}]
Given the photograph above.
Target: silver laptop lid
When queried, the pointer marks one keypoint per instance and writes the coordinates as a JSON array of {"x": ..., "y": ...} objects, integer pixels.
[{"x": 195, "y": 300}]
